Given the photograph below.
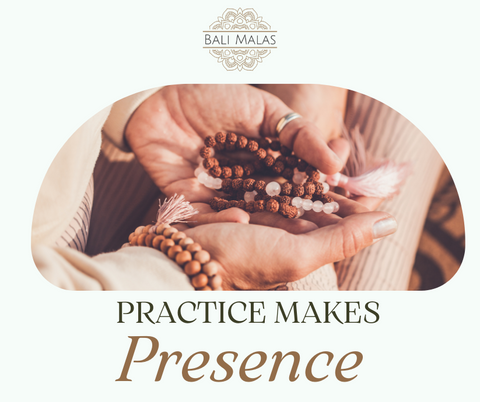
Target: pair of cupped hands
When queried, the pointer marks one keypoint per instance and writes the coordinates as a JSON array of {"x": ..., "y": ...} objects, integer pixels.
[{"x": 262, "y": 250}]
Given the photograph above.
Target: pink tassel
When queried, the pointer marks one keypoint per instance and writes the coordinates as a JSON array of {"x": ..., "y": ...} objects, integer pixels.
[
  {"x": 175, "y": 209},
  {"x": 382, "y": 181}
]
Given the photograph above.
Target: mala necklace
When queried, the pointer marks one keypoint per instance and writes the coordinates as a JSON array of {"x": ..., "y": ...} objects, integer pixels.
[
  {"x": 189, "y": 255},
  {"x": 303, "y": 188}
]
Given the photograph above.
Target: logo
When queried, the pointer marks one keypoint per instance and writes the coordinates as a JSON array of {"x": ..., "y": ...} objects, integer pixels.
[{"x": 240, "y": 39}]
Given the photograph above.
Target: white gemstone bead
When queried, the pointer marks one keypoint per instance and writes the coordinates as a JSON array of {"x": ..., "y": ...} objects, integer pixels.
[
  {"x": 273, "y": 188},
  {"x": 202, "y": 177},
  {"x": 198, "y": 170},
  {"x": 317, "y": 206},
  {"x": 297, "y": 202},
  {"x": 249, "y": 196},
  {"x": 307, "y": 205},
  {"x": 326, "y": 188},
  {"x": 300, "y": 212},
  {"x": 328, "y": 208},
  {"x": 336, "y": 206},
  {"x": 217, "y": 183},
  {"x": 323, "y": 177},
  {"x": 209, "y": 181},
  {"x": 299, "y": 177}
]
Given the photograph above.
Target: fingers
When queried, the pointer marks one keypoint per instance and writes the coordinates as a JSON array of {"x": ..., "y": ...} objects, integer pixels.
[
  {"x": 370, "y": 202},
  {"x": 207, "y": 215},
  {"x": 341, "y": 147},
  {"x": 293, "y": 226},
  {"x": 342, "y": 240}
]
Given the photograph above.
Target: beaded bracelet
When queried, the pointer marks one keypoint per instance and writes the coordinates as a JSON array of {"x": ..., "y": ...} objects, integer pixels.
[
  {"x": 255, "y": 195},
  {"x": 189, "y": 255}
]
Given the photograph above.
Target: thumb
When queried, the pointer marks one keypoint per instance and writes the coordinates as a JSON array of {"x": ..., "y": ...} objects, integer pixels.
[{"x": 346, "y": 238}]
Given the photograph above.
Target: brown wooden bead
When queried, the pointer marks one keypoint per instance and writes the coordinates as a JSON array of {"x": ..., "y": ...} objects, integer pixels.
[
  {"x": 141, "y": 239},
  {"x": 149, "y": 239},
  {"x": 202, "y": 256},
  {"x": 309, "y": 170},
  {"x": 237, "y": 184},
  {"x": 264, "y": 143},
  {"x": 146, "y": 229},
  {"x": 249, "y": 184},
  {"x": 286, "y": 188},
  {"x": 309, "y": 188},
  {"x": 259, "y": 206},
  {"x": 168, "y": 232},
  {"x": 210, "y": 141},
  {"x": 226, "y": 185},
  {"x": 186, "y": 241},
  {"x": 216, "y": 171},
  {"x": 192, "y": 268},
  {"x": 173, "y": 251},
  {"x": 226, "y": 172},
  {"x": 139, "y": 230},
  {"x": 194, "y": 247},
  {"x": 315, "y": 176},
  {"x": 248, "y": 169},
  {"x": 250, "y": 206},
  {"x": 210, "y": 268},
  {"x": 269, "y": 161},
  {"x": 318, "y": 188},
  {"x": 292, "y": 161},
  {"x": 221, "y": 205},
  {"x": 157, "y": 241},
  {"x": 242, "y": 142},
  {"x": 166, "y": 244},
  {"x": 215, "y": 282},
  {"x": 237, "y": 171},
  {"x": 297, "y": 190},
  {"x": 285, "y": 199},
  {"x": 160, "y": 228},
  {"x": 176, "y": 237},
  {"x": 209, "y": 163},
  {"x": 261, "y": 154},
  {"x": 205, "y": 152},
  {"x": 278, "y": 167},
  {"x": 287, "y": 173},
  {"x": 302, "y": 165},
  {"x": 199, "y": 280},
  {"x": 275, "y": 145},
  {"x": 241, "y": 204},
  {"x": 252, "y": 146},
  {"x": 231, "y": 138},
  {"x": 272, "y": 205},
  {"x": 260, "y": 186},
  {"x": 133, "y": 240},
  {"x": 220, "y": 137},
  {"x": 183, "y": 257},
  {"x": 291, "y": 212}
]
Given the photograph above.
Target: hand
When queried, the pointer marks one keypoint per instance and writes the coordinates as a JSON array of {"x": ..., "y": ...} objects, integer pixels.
[
  {"x": 167, "y": 131},
  {"x": 261, "y": 257}
]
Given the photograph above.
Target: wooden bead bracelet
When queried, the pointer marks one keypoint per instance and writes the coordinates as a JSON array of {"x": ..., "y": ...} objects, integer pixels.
[{"x": 189, "y": 255}]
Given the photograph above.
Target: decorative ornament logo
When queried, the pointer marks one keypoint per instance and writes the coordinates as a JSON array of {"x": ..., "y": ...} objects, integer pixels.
[{"x": 240, "y": 39}]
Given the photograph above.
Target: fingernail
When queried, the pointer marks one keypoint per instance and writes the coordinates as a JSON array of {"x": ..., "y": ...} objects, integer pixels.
[{"x": 384, "y": 228}]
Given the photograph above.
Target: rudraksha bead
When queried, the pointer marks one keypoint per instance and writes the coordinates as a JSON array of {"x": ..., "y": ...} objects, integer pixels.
[
  {"x": 259, "y": 206},
  {"x": 287, "y": 173},
  {"x": 248, "y": 169},
  {"x": 309, "y": 188},
  {"x": 275, "y": 145},
  {"x": 209, "y": 163},
  {"x": 260, "y": 186},
  {"x": 302, "y": 165},
  {"x": 226, "y": 172},
  {"x": 269, "y": 161},
  {"x": 248, "y": 184},
  {"x": 220, "y": 137},
  {"x": 205, "y": 152},
  {"x": 278, "y": 167},
  {"x": 261, "y": 154},
  {"x": 297, "y": 190},
  {"x": 210, "y": 141},
  {"x": 250, "y": 206},
  {"x": 242, "y": 142},
  {"x": 231, "y": 138},
  {"x": 237, "y": 171},
  {"x": 216, "y": 171},
  {"x": 286, "y": 188},
  {"x": 252, "y": 146},
  {"x": 292, "y": 161},
  {"x": 272, "y": 205},
  {"x": 226, "y": 185}
]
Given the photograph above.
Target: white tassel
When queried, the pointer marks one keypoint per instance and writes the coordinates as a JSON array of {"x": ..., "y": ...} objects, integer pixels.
[
  {"x": 382, "y": 181},
  {"x": 174, "y": 210}
]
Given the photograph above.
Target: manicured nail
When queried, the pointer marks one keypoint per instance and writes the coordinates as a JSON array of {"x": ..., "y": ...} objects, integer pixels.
[{"x": 384, "y": 228}]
